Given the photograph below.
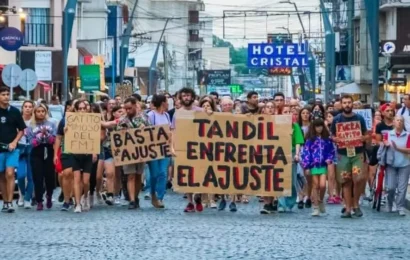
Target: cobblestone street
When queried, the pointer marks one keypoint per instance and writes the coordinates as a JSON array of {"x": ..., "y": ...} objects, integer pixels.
[{"x": 118, "y": 233}]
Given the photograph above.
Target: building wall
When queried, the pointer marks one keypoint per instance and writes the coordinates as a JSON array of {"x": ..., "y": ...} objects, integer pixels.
[
  {"x": 216, "y": 58},
  {"x": 150, "y": 21}
]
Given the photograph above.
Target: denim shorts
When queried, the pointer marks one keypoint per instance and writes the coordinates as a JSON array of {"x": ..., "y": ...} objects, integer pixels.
[
  {"x": 108, "y": 155},
  {"x": 9, "y": 160}
]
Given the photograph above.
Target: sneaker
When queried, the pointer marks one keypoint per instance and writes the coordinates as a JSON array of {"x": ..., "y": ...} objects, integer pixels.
[
  {"x": 402, "y": 213},
  {"x": 337, "y": 200},
  {"x": 301, "y": 204},
  {"x": 358, "y": 213},
  {"x": 109, "y": 201},
  {"x": 161, "y": 204},
  {"x": 261, "y": 199},
  {"x": 331, "y": 200},
  {"x": 190, "y": 208},
  {"x": 40, "y": 206},
  {"x": 117, "y": 200},
  {"x": 61, "y": 197},
  {"x": 100, "y": 200},
  {"x": 11, "y": 208},
  {"x": 281, "y": 209},
  {"x": 275, "y": 205},
  {"x": 5, "y": 207},
  {"x": 222, "y": 205},
  {"x": 198, "y": 204},
  {"x": 65, "y": 207},
  {"x": 155, "y": 201},
  {"x": 77, "y": 209},
  {"x": 86, "y": 203},
  {"x": 213, "y": 205},
  {"x": 132, "y": 205},
  {"x": 346, "y": 214},
  {"x": 147, "y": 196},
  {"x": 308, "y": 204},
  {"x": 49, "y": 203},
  {"x": 322, "y": 208},
  {"x": 27, "y": 204},
  {"x": 267, "y": 209},
  {"x": 232, "y": 207},
  {"x": 316, "y": 212},
  {"x": 20, "y": 202}
]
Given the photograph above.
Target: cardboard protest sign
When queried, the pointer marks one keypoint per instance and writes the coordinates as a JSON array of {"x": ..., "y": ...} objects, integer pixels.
[
  {"x": 83, "y": 135},
  {"x": 140, "y": 145},
  {"x": 124, "y": 91},
  {"x": 233, "y": 154},
  {"x": 367, "y": 115},
  {"x": 349, "y": 134}
]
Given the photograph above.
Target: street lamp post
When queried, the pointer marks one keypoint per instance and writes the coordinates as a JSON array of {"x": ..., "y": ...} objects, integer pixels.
[
  {"x": 286, "y": 29},
  {"x": 298, "y": 14}
]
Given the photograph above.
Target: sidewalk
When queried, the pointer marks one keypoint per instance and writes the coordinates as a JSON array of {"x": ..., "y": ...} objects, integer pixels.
[{"x": 408, "y": 198}]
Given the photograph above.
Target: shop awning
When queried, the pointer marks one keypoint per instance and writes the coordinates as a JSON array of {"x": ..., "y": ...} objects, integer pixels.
[
  {"x": 86, "y": 56},
  {"x": 45, "y": 86},
  {"x": 352, "y": 88},
  {"x": 401, "y": 69}
]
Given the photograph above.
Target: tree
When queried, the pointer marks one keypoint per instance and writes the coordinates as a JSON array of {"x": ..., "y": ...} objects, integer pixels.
[{"x": 238, "y": 56}]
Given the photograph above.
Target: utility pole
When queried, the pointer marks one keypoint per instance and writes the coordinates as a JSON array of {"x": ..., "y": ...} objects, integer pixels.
[
  {"x": 125, "y": 41},
  {"x": 372, "y": 15},
  {"x": 350, "y": 39},
  {"x": 68, "y": 21},
  {"x": 153, "y": 66},
  {"x": 165, "y": 54},
  {"x": 329, "y": 52}
]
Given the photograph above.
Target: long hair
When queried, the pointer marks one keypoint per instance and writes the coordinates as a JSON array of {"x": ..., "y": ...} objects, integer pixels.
[
  {"x": 300, "y": 115},
  {"x": 312, "y": 129},
  {"x": 26, "y": 101},
  {"x": 34, "y": 121}
]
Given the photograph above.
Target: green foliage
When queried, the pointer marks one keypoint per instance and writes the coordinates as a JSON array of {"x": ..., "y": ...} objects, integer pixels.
[{"x": 238, "y": 56}]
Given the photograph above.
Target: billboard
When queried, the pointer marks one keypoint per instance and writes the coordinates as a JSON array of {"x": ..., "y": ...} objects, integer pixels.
[
  {"x": 263, "y": 55},
  {"x": 214, "y": 77}
]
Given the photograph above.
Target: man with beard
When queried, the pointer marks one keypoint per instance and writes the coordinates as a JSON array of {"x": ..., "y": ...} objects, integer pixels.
[
  {"x": 350, "y": 159},
  {"x": 252, "y": 104},
  {"x": 187, "y": 98},
  {"x": 133, "y": 119}
]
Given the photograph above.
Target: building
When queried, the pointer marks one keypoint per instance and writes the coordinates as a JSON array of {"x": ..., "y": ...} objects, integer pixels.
[
  {"x": 394, "y": 48},
  {"x": 40, "y": 22},
  {"x": 182, "y": 43}
]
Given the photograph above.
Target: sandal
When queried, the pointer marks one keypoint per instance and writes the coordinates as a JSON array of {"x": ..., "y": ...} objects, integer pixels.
[{"x": 245, "y": 199}]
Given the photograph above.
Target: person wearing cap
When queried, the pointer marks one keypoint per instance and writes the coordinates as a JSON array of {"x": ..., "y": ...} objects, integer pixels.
[{"x": 381, "y": 129}]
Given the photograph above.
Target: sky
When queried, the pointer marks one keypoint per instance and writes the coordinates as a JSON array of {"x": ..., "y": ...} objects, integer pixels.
[{"x": 270, "y": 15}]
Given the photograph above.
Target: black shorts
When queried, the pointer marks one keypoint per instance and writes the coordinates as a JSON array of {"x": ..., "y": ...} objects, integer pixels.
[
  {"x": 78, "y": 162},
  {"x": 373, "y": 156}
]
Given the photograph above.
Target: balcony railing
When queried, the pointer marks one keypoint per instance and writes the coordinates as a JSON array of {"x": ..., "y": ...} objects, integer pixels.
[
  {"x": 395, "y": 2},
  {"x": 38, "y": 34}
]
